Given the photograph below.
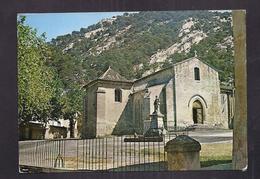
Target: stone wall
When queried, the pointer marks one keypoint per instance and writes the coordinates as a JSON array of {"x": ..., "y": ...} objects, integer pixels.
[
  {"x": 115, "y": 111},
  {"x": 169, "y": 105},
  {"x": 206, "y": 90},
  {"x": 104, "y": 115},
  {"x": 157, "y": 84},
  {"x": 140, "y": 110},
  {"x": 89, "y": 123},
  {"x": 56, "y": 132},
  {"x": 157, "y": 78},
  {"x": 31, "y": 132}
]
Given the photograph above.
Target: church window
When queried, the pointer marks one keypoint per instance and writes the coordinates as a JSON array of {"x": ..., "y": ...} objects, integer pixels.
[
  {"x": 118, "y": 95},
  {"x": 197, "y": 73}
]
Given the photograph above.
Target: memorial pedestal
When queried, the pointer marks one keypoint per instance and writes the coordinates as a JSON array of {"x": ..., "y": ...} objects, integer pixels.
[{"x": 157, "y": 126}]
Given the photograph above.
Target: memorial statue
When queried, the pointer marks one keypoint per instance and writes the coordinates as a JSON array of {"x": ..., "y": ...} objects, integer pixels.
[
  {"x": 156, "y": 104},
  {"x": 156, "y": 126}
]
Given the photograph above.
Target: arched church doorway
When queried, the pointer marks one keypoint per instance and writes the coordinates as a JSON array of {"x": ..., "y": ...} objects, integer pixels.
[{"x": 197, "y": 112}]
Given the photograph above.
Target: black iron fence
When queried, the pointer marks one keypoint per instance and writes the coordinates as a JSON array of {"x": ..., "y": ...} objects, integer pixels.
[{"x": 109, "y": 153}]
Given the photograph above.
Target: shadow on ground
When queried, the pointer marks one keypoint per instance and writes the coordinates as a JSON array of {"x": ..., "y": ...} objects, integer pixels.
[
  {"x": 213, "y": 162},
  {"x": 155, "y": 166}
]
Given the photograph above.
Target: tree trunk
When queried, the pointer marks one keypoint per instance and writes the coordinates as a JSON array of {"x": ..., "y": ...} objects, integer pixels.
[{"x": 72, "y": 126}]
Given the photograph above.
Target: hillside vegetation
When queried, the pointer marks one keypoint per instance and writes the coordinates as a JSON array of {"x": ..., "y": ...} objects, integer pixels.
[{"x": 138, "y": 44}]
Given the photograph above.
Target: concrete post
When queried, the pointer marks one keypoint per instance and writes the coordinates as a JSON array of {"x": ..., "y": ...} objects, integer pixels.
[
  {"x": 183, "y": 153},
  {"x": 239, "y": 158}
]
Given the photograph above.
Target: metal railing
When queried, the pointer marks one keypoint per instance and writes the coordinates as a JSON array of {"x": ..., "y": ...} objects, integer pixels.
[{"x": 109, "y": 153}]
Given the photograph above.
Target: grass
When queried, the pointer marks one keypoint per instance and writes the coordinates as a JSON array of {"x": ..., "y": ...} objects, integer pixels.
[{"x": 214, "y": 154}]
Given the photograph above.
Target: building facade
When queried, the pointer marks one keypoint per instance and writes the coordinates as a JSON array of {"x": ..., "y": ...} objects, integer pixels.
[
  {"x": 35, "y": 130},
  {"x": 189, "y": 93}
]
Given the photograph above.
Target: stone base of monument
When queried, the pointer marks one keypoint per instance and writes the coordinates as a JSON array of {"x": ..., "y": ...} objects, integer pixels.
[
  {"x": 152, "y": 132},
  {"x": 156, "y": 120},
  {"x": 156, "y": 127}
]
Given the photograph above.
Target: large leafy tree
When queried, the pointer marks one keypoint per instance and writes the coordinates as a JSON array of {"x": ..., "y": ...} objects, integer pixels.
[
  {"x": 36, "y": 81},
  {"x": 49, "y": 82},
  {"x": 72, "y": 111},
  {"x": 67, "y": 103}
]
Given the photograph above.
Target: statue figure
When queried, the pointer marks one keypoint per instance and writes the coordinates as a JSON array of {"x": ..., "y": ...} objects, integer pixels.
[
  {"x": 195, "y": 53},
  {"x": 156, "y": 104}
]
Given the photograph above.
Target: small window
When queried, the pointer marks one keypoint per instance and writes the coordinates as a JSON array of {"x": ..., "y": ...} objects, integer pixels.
[
  {"x": 197, "y": 73},
  {"x": 118, "y": 95}
]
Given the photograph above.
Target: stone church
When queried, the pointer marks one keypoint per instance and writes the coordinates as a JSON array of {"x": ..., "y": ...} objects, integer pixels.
[{"x": 189, "y": 92}]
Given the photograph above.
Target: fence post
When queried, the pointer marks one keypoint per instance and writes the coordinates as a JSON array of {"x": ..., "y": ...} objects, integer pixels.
[{"x": 59, "y": 159}]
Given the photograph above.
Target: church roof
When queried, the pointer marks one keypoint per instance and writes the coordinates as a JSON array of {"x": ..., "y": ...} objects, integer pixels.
[
  {"x": 175, "y": 64},
  {"x": 112, "y": 75},
  {"x": 192, "y": 58}
]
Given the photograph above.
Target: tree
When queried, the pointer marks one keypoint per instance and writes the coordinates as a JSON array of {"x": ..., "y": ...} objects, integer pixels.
[
  {"x": 72, "y": 102},
  {"x": 49, "y": 82},
  {"x": 36, "y": 84}
]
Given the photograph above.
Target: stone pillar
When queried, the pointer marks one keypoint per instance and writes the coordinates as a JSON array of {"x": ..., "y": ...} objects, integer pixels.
[
  {"x": 101, "y": 112},
  {"x": 47, "y": 134},
  {"x": 85, "y": 118},
  {"x": 183, "y": 153},
  {"x": 240, "y": 119},
  {"x": 169, "y": 105},
  {"x": 146, "y": 112}
]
